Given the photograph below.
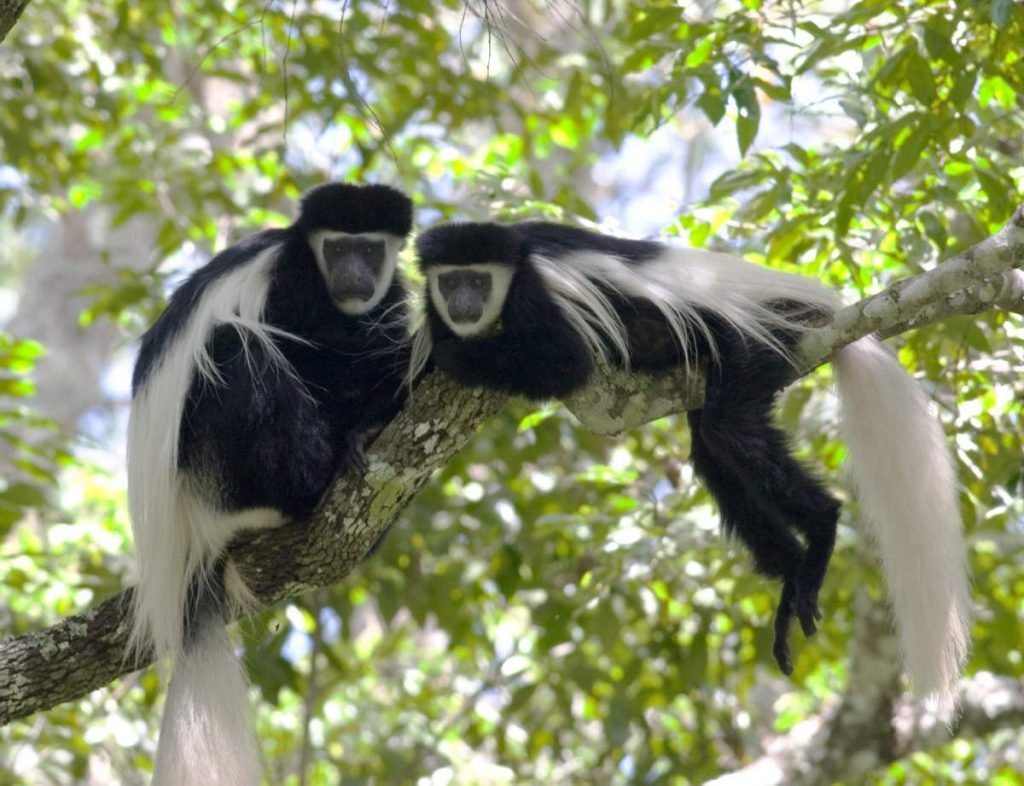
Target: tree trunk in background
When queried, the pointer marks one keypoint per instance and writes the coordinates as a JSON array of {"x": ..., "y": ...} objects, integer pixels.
[{"x": 81, "y": 251}]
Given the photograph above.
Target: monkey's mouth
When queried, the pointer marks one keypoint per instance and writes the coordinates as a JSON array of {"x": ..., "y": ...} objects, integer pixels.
[
  {"x": 359, "y": 293},
  {"x": 464, "y": 318}
]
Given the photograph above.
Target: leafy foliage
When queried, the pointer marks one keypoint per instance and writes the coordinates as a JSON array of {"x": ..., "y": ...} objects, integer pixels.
[{"x": 557, "y": 607}]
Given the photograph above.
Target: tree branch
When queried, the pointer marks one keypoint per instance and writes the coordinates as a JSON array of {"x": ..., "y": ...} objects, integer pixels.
[
  {"x": 905, "y": 300},
  {"x": 85, "y": 652},
  {"x": 1003, "y": 291},
  {"x": 10, "y": 12},
  {"x": 82, "y": 653}
]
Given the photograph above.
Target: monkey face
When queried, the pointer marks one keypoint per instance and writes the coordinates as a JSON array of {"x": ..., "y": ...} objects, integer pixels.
[
  {"x": 469, "y": 298},
  {"x": 357, "y": 269}
]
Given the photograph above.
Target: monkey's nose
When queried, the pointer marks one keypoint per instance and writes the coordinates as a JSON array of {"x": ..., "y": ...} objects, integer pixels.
[
  {"x": 352, "y": 283},
  {"x": 464, "y": 310}
]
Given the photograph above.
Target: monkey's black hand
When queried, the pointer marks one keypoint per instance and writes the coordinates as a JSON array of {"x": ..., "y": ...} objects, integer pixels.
[{"x": 795, "y": 601}]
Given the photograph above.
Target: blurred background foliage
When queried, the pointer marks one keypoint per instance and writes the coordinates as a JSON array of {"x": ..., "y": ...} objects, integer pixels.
[{"x": 557, "y": 607}]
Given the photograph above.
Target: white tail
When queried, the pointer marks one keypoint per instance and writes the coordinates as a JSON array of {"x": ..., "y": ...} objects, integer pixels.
[
  {"x": 206, "y": 738},
  {"x": 906, "y": 486}
]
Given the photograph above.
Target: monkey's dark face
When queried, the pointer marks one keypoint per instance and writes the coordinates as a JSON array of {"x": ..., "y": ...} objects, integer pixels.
[
  {"x": 469, "y": 298},
  {"x": 357, "y": 269}
]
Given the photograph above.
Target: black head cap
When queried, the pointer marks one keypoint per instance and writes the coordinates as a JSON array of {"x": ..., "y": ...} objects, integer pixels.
[
  {"x": 345, "y": 207},
  {"x": 470, "y": 244}
]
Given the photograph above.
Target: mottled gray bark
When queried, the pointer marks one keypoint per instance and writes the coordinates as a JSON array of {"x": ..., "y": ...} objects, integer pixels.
[
  {"x": 10, "y": 12},
  {"x": 82, "y": 653}
]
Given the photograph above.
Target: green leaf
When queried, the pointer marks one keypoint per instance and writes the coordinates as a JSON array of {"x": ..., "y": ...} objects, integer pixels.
[
  {"x": 749, "y": 112},
  {"x": 25, "y": 495},
  {"x": 891, "y": 74},
  {"x": 922, "y": 81},
  {"x": 537, "y": 417},
  {"x": 963, "y": 87},
  {"x": 997, "y": 191},
  {"x": 712, "y": 103},
  {"x": 996, "y": 87},
  {"x": 775, "y": 92},
  {"x": 909, "y": 153},
  {"x": 937, "y": 42},
  {"x": 9, "y": 516},
  {"x": 736, "y": 180},
  {"x": 700, "y": 53}
]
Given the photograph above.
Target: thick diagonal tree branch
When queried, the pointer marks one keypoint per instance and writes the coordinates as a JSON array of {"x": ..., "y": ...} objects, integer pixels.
[{"x": 85, "y": 652}]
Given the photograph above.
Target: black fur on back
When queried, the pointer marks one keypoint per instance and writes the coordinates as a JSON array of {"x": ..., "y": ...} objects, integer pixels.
[
  {"x": 554, "y": 240},
  {"x": 345, "y": 207},
  {"x": 470, "y": 244}
]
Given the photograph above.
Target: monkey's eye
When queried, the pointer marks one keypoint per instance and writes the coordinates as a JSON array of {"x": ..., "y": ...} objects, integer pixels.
[{"x": 446, "y": 284}]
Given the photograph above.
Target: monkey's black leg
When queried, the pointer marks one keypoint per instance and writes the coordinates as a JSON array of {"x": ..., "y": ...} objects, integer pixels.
[
  {"x": 779, "y": 484},
  {"x": 812, "y": 510},
  {"x": 748, "y": 443},
  {"x": 776, "y": 552}
]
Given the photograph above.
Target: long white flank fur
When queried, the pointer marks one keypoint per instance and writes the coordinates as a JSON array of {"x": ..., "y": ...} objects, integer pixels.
[
  {"x": 899, "y": 461},
  {"x": 907, "y": 488},
  {"x": 681, "y": 283},
  {"x": 178, "y": 534},
  {"x": 419, "y": 356}
]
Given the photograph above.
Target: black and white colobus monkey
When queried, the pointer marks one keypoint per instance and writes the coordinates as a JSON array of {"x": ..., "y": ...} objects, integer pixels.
[
  {"x": 528, "y": 308},
  {"x": 262, "y": 378}
]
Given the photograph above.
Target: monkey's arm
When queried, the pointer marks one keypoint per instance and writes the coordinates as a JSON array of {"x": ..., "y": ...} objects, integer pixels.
[{"x": 529, "y": 363}]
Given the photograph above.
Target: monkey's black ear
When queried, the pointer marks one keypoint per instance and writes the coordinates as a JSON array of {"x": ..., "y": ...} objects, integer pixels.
[
  {"x": 345, "y": 207},
  {"x": 470, "y": 244}
]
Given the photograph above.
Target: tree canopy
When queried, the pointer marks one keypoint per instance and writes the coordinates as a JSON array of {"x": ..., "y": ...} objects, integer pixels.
[{"x": 555, "y": 605}]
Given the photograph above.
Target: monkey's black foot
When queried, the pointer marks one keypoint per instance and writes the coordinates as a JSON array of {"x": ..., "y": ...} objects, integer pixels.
[
  {"x": 781, "y": 652},
  {"x": 783, "y": 617}
]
